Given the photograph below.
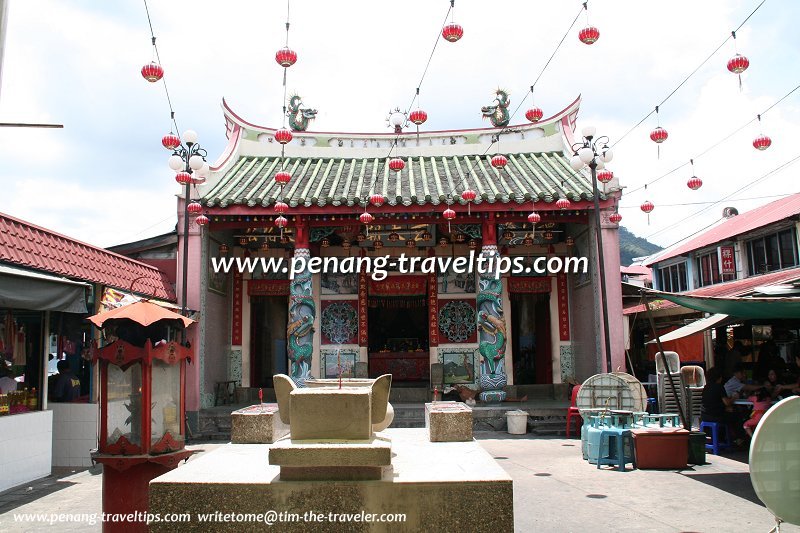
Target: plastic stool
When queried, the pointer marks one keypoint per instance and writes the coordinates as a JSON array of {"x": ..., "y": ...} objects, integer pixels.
[
  {"x": 618, "y": 458},
  {"x": 715, "y": 446}
]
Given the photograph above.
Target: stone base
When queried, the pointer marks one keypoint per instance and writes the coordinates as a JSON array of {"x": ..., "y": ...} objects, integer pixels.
[
  {"x": 448, "y": 422},
  {"x": 257, "y": 424},
  {"x": 376, "y": 451},
  {"x": 456, "y": 485},
  {"x": 492, "y": 396}
]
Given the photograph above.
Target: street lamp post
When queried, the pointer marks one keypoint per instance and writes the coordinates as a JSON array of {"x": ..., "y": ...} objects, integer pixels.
[
  {"x": 188, "y": 160},
  {"x": 594, "y": 152}
]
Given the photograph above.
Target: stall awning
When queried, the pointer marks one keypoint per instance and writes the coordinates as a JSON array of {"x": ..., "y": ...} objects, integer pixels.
[
  {"x": 25, "y": 289},
  {"x": 695, "y": 327},
  {"x": 742, "y": 307}
]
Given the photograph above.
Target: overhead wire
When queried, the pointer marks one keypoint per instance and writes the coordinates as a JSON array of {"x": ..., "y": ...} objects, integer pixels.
[
  {"x": 683, "y": 82},
  {"x": 164, "y": 76}
]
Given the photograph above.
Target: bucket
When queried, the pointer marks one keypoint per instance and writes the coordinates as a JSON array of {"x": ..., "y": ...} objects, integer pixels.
[
  {"x": 517, "y": 422},
  {"x": 697, "y": 448}
]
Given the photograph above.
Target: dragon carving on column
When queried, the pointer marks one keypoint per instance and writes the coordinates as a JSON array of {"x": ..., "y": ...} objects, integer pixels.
[
  {"x": 299, "y": 117},
  {"x": 300, "y": 330},
  {"x": 491, "y": 334},
  {"x": 498, "y": 113}
]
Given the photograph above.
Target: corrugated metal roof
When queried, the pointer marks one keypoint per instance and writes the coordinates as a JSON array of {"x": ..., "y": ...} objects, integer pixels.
[
  {"x": 37, "y": 248},
  {"x": 739, "y": 287},
  {"x": 749, "y": 221},
  {"x": 424, "y": 180}
]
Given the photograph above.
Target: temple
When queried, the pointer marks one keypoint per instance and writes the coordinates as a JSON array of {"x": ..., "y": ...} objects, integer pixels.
[{"x": 523, "y": 328}]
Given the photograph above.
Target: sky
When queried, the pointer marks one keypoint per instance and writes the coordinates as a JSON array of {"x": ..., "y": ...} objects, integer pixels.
[{"x": 103, "y": 179}]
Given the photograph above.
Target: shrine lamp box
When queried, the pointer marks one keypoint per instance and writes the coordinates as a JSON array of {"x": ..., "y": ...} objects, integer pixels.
[
  {"x": 666, "y": 448},
  {"x": 257, "y": 424}
]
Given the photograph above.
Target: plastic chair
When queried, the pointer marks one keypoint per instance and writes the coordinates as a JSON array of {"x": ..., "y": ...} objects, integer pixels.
[
  {"x": 618, "y": 456},
  {"x": 716, "y": 445},
  {"x": 573, "y": 411}
]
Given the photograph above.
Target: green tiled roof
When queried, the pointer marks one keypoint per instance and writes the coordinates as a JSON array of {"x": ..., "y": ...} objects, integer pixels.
[{"x": 424, "y": 180}]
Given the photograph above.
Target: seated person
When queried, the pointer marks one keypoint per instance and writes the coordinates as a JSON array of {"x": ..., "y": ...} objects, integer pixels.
[
  {"x": 67, "y": 386},
  {"x": 762, "y": 401},
  {"x": 717, "y": 406},
  {"x": 736, "y": 387}
]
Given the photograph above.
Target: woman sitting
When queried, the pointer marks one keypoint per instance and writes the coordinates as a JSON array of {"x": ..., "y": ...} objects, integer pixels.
[{"x": 762, "y": 401}]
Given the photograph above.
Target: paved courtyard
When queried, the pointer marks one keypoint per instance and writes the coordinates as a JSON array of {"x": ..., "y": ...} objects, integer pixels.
[{"x": 554, "y": 490}]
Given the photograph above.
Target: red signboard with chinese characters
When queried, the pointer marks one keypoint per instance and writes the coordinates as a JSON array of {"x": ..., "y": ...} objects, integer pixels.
[
  {"x": 529, "y": 285},
  {"x": 433, "y": 309},
  {"x": 363, "y": 334},
  {"x": 268, "y": 287},
  {"x": 236, "y": 322},
  {"x": 728, "y": 262},
  {"x": 563, "y": 307}
]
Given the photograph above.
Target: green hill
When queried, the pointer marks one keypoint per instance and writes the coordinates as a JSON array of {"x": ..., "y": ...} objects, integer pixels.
[{"x": 631, "y": 246}]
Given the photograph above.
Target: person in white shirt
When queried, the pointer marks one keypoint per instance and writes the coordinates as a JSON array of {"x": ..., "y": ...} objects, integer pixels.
[{"x": 735, "y": 387}]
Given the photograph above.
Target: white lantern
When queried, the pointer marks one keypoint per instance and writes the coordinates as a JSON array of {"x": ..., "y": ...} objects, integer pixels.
[
  {"x": 190, "y": 136},
  {"x": 607, "y": 155},
  {"x": 196, "y": 162},
  {"x": 586, "y": 154},
  {"x": 175, "y": 163},
  {"x": 588, "y": 131},
  {"x": 576, "y": 163}
]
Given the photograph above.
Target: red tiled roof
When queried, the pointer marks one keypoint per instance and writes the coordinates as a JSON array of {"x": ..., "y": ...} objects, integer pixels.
[
  {"x": 749, "y": 221},
  {"x": 637, "y": 270},
  {"x": 739, "y": 287},
  {"x": 24, "y": 244}
]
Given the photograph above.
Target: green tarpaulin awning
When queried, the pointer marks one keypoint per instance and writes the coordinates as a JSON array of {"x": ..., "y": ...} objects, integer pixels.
[{"x": 741, "y": 307}]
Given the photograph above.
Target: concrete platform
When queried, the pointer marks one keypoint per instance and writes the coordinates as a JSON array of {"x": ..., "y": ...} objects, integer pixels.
[{"x": 456, "y": 485}]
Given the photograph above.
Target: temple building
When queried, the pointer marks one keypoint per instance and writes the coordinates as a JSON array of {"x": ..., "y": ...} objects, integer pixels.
[{"x": 523, "y": 328}]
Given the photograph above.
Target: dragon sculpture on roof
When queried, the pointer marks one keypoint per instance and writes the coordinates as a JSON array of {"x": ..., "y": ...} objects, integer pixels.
[
  {"x": 299, "y": 117},
  {"x": 498, "y": 113}
]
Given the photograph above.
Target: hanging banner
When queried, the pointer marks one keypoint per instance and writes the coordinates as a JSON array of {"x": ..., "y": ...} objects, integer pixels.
[
  {"x": 363, "y": 333},
  {"x": 268, "y": 287},
  {"x": 236, "y": 321},
  {"x": 433, "y": 310},
  {"x": 529, "y": 285},
  {"x": 563, "y": 307}
]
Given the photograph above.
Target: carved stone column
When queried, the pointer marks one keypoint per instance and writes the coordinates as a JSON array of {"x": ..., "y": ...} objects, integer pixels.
[
  {"x": 491, "y": 322},
  {"x": 302, "y": 311}
]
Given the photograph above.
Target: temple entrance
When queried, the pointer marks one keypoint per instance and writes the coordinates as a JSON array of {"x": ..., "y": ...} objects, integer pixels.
[
  {"x": 530, "y": 340},
  {"x": 398, "y": 331},
  {"x": 268, "y": 319}
]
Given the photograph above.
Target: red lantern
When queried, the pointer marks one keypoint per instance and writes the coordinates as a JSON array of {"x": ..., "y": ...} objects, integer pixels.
[
  {"x": 418, "y": 116},
  {"x": 411, "y": 243},
  {"x": 570, "y": 241},
  {"x": 378, "y": 244},
  {"x": 170, "y": 141},
  {"x": 283, "y": 136},
  {"x": 366, "y": 218},
  {"x": 283, "y": 177},
  {"x": 183, "y": 178},
  {"x": 286, "y": 57},
  {"x": 194, "y": 208},
  {"x": 659, "y": 135},
  {"x": 377, "y": 200},
  {"x": 589, "y": 35},
  {"x": 152, "y": 72},
  {"x": 452, "y": 32},
  {"x": 762, "y": 142},
  {"x": 738, "y": 64},
  {"x": 469, "y": 195},
  {"x": 396, "y": 164},
  {"x": 281, "y": 222},
  {"x": 280, "y": 207},
  {"x": 647, "y": 207},
  {"x": 223, "y": 249},
  {"x": 202, "y": 220},
  {"x": 499, "y": 161},
  {"x": 615, "y": 218},
  {"x": 534, "y": 218},
  {"x": 563, "y": 203},
  {"x": 449, "y": 214},
  {"x": 443, "y": 242},
  {"x": 473, "y": 244},
  {"x": 694, "y": 183},
  {"x": 534, "y": 114},
  {"x": 527, "y": 241},
  {"x": 604, "y": 176}
]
